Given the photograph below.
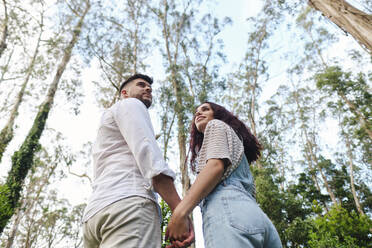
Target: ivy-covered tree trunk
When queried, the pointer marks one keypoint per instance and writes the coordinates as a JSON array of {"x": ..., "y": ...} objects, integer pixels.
[
  {"x": 23, "y": 158},
  {"x": 348, "y": 18},
  {"x": 6, "y": 134},
  {"x": 38, "y": 181}
]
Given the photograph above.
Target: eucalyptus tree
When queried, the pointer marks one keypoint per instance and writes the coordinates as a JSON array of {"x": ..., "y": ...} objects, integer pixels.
[
  {"x": 307, "y": 113},
  {"x": 20, "y": 25},
  {"x": 340, "y": 228},
  {"x": 317, "y": 39},
  {"x": 245, "y": 85},
  {"x": 201, "y": 67},
  {"x": 348, "y": 18},
  {"x": 354, "y": 92},
  {"x": 4, "y": 33},
  {"x": 120, "y": 43},
  {"x": 175, "y": 23},
  {"x": 202, "y": 57},
  {"x": 34, "y": 192},
  {"x": 22, "y": 28},
  {"x": 188, "y": 62},
  {"x": 303, "y": 99},
  {"x": 352, "y": 106},
  {"x": 5, "y": 67},
  {"x": 27, "y": 225},
  {"x": 7, "y": 132},
  {"x": 22, "y": 159}
]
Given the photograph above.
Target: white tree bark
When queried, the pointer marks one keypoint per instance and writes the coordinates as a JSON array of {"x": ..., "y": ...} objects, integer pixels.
[
  {"x": 4, "y": 34},
  {"x": 348, "y": 18}
]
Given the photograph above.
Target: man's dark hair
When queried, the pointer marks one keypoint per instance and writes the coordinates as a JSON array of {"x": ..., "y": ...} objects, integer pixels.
[{"x": 133, "y": 77}]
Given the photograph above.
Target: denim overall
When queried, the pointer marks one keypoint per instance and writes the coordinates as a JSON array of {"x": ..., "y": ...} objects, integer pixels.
[{"x": 231, "y": 216}]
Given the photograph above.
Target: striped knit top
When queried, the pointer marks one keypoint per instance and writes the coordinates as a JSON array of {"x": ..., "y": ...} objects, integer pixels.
[{"x": 220, "y": 142}]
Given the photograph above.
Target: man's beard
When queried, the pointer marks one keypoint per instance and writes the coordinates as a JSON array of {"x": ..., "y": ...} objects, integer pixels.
[{"x": 146, "y": 102}]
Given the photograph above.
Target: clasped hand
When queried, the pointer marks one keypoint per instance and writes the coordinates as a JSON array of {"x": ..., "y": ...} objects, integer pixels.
[{"x": 180, "y": 231}]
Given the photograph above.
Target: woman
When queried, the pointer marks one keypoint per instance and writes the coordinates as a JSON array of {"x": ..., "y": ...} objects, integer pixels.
[{"x": 222, "y": 148}]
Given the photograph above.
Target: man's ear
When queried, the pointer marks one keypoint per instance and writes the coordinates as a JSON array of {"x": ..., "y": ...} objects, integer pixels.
[{"x": 124, "y": 93}]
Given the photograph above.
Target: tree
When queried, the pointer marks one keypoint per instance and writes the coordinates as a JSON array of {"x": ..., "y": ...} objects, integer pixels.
[
  {"x": 350, "y": 108},
  {"x": 34, "y": 187},
  {"x": 34, "y": 223},
  {"x": 317, "y": 38},
  {"x": 348, "y": 18},
  {"x": 186, "y": 58},
  {"x": 4, "y": 34},
  {"x": 120, "y": 53},
  {"x": 7, "y": 133},
  {"x": 340, "y": 229},
  {"x": 352, "y": 92},
  {"x": 22, "y": 159}
]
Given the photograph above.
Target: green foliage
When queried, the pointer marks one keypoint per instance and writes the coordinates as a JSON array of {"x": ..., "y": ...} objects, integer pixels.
[
  {"x": 353, "y": 102},
  {"x": 6, "y": 136},
  {"x": 166, "y": 214},
  {"x": 341, "y": 229},
  {"x": 269, "y": 197},
  {"x": 6, "y": 210},
  {"x": 297, "y": 232},
  {"x": 22, "y": 161}
]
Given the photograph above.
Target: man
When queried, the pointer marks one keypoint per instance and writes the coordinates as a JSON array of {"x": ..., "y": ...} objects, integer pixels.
[{"x": 128, "y": 168}]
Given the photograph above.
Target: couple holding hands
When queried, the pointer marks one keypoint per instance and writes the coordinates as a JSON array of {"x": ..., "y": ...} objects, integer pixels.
[{"x": 129, "y": 168}]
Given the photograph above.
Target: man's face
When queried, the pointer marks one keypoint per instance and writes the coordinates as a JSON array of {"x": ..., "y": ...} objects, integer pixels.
[{"x": 140, "y": 89}]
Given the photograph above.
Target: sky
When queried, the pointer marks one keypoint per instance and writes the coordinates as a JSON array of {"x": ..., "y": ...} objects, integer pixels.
[{"x": 81, "y": 129}]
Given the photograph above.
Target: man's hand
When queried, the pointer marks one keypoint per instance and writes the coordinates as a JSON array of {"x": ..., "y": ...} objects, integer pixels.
[{"x": 185, "y": 239}]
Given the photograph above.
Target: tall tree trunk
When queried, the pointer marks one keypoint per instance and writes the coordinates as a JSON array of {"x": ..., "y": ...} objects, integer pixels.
[
  {"x": 253, "y": 87},
  {"x": 34, "y": 189},
  {"x": 309, "y": 146},
  {"x": 351, "y": 166},
  {"x": 181, "y": 115},
  {"x": 6, "y": 66},
  {"x": 23, "y": 158},
  {"x": 313, "y": 176},
  {"x": 348, "y": 18},
  {"x": 6, "y": 134},
  {"x": 15, "y": 226},
  {"x": 4, "y": 35}
]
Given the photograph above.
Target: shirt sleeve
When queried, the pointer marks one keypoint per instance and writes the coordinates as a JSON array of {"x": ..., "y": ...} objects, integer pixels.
[
  {"x": 216, "y": 142},
  {"x": 133, "y": 120}
]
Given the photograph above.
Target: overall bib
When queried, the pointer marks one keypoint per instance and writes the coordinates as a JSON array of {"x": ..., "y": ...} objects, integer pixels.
[{"x": 231, "y": 216}]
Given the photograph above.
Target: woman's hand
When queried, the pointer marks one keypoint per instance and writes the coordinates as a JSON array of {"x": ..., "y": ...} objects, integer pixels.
[
  {"x": 178, "y": 227},
  {"x": 205, "y": 182},
  {"x": 185, "y": 243}
]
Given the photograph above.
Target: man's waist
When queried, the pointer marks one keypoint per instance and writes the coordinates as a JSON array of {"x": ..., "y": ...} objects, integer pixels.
[{"x": 96, "y": 204}]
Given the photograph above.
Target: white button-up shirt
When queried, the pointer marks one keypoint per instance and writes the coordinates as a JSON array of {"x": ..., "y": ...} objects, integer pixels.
[{"x": 125, "y": 155}]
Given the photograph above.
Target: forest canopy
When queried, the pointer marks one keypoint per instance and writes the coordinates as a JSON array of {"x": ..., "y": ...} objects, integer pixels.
[{"x": 298, "y": 78}]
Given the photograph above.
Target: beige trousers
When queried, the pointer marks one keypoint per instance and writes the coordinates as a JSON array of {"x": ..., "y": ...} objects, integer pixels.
[{"x": 132, "y": 222}]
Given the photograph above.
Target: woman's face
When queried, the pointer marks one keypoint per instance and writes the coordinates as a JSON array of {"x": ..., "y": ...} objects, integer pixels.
[{"x": 203, "y": 115}]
